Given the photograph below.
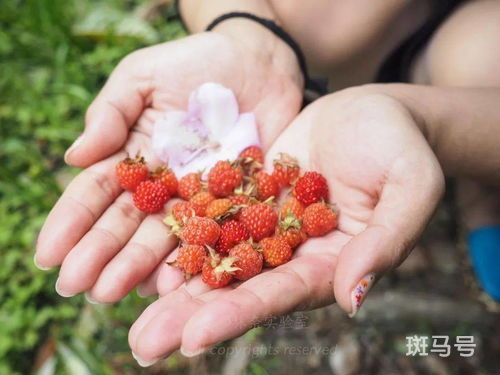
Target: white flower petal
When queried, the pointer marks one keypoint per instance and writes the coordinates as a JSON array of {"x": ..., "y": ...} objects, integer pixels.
[
  {"x": 173, "y": 142},
  {"x": 202, "y": 163},
  {"x": 216, "y": 106},
  {"x": 244, "y": 134}
]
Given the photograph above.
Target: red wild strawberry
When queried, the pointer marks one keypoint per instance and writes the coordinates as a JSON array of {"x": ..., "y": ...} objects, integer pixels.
[
  {"x": 200, "y": 231},
  {"x": 217, "y": 272},
  {"x": 180, "y": 213},
  {"x": 319, "y": 219},
  {"x": 223, "y": 178},
  {"x": 294, "y": 237},
  {"x": 167, "y": 177},
  {"x": 239, "y": 199},
  {"x": 254, "y": 153},
  {"x": 232, "y": 232},
  {"x": 290, "y": 229},
  {"x": 260, "y": 220},
  {"x": 202, "y": 200},
  {"x": 311, "y": 188},
  {"x": 150, "y": 196},
  {"x": 267, "y": 186},
  {"x": 247, "y": 259},
  {"x": 131, "y": 172},
  {"x": 189, "y": 185},
  {"x": 292, "y": 206},
  {"x": 219, "y": 209},
  {"x": 184, "y": 210},
  {"x": 251, "y": 160},
  {"x": 286, "y": 170},
  {"x": 276, "y": 251},
  {"x": 190, "y": 259}
]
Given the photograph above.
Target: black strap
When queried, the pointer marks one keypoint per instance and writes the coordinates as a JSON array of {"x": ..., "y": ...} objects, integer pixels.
[{"x": 279, "y": 32}]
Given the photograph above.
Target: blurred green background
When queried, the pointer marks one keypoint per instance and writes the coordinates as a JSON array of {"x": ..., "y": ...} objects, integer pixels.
[{"x": 54, "y": 57}]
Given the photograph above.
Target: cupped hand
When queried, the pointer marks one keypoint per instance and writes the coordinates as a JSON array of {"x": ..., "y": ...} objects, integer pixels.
[
  {"x": 105, "y": 246},
  {"x": 384, "y": 180}
]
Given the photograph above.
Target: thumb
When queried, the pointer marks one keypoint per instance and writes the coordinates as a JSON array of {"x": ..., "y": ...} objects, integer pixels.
[
  {"x": 109, "y": 118},
  {"x": 399, "y": 218}
]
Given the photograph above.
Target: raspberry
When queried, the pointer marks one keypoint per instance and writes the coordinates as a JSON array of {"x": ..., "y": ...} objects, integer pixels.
[
  {"x": 190, "y": 259},
  {"x": 219, "y": 209},
  {"x": 290, "y": 229},
  {"x": 200, "y": 231},
  {"x": 260, "y": 220},
  {"x": 184, "y": 210},
  {"x": 180, "y": 213},
  {"x": 294, "y": 237},
  {"x": 150, "y": 196},
  {"x": 286, "y": 170},
  {"x": 189, "y": 185},
  {"x": 253, "y": 153},
  {"x": 232, "y": 233},
  {"x": 167, "y": 177},
  {"x": 267, "y": 186},
  {"x": 202, "y": 200},
  {"x": 292, "y": 206},
  {"x": 131, "y": 172},
  {"x": 239, "y": 199},
  {"x": 311, "y": 188},
  {"x": 319, "y": 219},
  {"x": 276, "y": 251},
  {"x": 217, "y": 272},
  {"x": 247, "y": 259},
  {"x": 223, "y": 178}
]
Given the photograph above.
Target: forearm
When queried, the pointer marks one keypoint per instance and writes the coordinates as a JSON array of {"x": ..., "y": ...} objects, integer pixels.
[
  {"x": 462, "y": 126},
  {"x": 250, "y": 35},
  {"x": 198, "y": 14}
]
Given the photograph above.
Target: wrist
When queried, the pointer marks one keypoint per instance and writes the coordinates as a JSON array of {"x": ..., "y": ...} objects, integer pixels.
[{"x": 264, "y": 46}]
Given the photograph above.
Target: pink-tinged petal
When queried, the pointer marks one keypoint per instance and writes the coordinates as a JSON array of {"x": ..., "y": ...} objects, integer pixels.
[
  {"x": 216, "y": 106},
  {"x": 244, "y": 134},
  {"x": 202, "y": 163},
  {"x": 173, "y": 142}
]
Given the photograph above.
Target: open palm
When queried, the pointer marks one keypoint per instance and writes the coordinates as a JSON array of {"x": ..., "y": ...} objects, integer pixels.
[
  {"x": 103, "y": 243},
  {"x": 386, "y": 183}
]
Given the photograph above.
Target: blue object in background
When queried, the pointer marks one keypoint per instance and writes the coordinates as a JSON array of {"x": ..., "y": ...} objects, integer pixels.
[{"x": 484, "y": 248}]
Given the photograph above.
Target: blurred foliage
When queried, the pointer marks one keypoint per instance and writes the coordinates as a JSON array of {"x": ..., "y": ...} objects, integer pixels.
[{"x": 54, "y": 57}]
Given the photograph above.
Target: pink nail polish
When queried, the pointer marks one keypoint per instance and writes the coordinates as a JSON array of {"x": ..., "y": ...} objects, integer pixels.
[{"x": 359, "y": 292}]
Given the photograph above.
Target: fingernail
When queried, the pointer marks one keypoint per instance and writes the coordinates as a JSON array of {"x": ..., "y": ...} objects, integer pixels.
[
  {"x": 192, "y": 353},
  {"x": 358, "y": 294},
  {"x": 62, "y": 293},
  {"x": 39, "y": 266},
  {"x": 141, "y": 362},
  {"x": 90, "y": 299},
  {"x": 75, "y": 144},
  {"x": 141, "y": 293}
]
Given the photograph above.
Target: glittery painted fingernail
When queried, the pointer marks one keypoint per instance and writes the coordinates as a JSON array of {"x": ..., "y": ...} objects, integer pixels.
[{"x": 358, "y": 294}]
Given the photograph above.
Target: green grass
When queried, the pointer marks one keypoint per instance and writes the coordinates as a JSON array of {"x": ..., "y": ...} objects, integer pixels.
[{"x": 54, "y": 57}]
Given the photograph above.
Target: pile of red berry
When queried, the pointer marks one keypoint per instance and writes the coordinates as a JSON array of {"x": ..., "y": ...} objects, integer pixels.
[{"x": 231, "y": 224}]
